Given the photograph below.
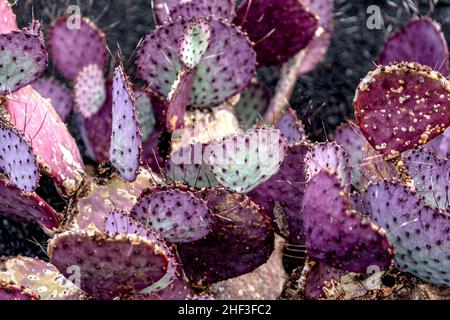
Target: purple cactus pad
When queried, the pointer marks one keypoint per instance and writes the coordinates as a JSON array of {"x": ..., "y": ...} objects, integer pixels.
[
  {"x": 8, "y": 18},
  {"x": 9, "y": 291},
  {"x": 194, "y": 42},
  {"x": 252, "y": 105},
  {"x": 168, "y": 10},
  {"x": 89, "y": 90},
  {"x": 291, "y": 127},
  {"x": 60, "y": 96}
]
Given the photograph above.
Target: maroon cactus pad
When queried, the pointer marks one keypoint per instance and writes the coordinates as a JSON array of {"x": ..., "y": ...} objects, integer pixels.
[
  {"x": 194, "y": 42},
  {"x": 252, "y": 105},
  {"x": 420, "y": 234},
  {"x": 319, "y": 278},
  {"x": 168, "y": 10},
  {"x": 89, "y": 90},
  {"x": 23, "y": 59},
  {"x": 241, "y": 236},
  {"x": 9, "y": 291},
  {"x": 109, "y": 266},
  {"x": 126, "y": 138},
  {"x": 241, "y": 162},
  {"x": 270, "y": 26},
  {"x": 431, "y": 176},
  {"x": 291, "y": 127},
  {"x": 177, "y": 215},
  {"x": 285, "y": 190},
  {"x": 351, "y": 139},
  {"x": 177, "y": 101},
  {"x": 59, "y": 95},
  {"x": 421, "y": 41},
  {"x": 225, "y": 69},
  {"x": 401, "y": 106},
  {"x": 41, "y": 277},
  {"x": 41, "y": 124},
  {"x": 317, "y": 48},
  {"x": 27, "y": 207},
  {"x": 17, "y": 160},
  {"x": 330, "y": 156},
  {"x": 337, "y": 236},
  {"x": 188, "y": 165},
  {"x": 8, "y": 18},
  {"x": 73, "y": 48}
]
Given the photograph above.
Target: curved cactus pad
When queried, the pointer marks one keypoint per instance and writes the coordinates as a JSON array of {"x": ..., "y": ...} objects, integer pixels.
[
  {"x": 27, "y": 207},
  {"x": 10, "y": 291},
  {"x": 431, "y": 176},
  {"x": 419, "y": 233},
  {"x": 177, "y": 101},
  {"x": 177, "y": 215},
  {"x": 224, "y": 70},
  {"x": 126, "y": 138},
  {"x": 422, "y": 41},
  {"x": 401, "y": 106},
  {"x": 41, "y": 124},
  {"x": 240, "y": 241},
  {"x": 270, "y": 25},
  {"x": 337, "y": 236},
  {"x": 17, "y": 160},
  {"x": 241, "y": 162},
  {"x": 59, "y": 95},
  {"x": 145, "y": 112},
  {"x": 23, "y": 59},
  {"x": 109, "y": 267},
  {"x": 41, "y": 277},
  {"x": 351, "y": 139},
  {"x": 194, "y": 42},
  {"x": 319, "y": 278},
  {"x": 252, "y": 105},
  {"x": 172, "y": 9},
  {"x": 291, "y": 127},
  {"x": 118, "y": 222},
  {"x": 285, "y": 190},
  {"x": 330, "y": 156},
  {"x": 89, "y": 90},
  {"x": 188, "y": 165},
  {"x": 72, "y": 47},
  {"x": 8, "y": 18}
]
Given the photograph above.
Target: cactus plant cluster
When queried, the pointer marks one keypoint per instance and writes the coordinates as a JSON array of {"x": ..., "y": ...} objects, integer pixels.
[{"x": 194, "y": 175}]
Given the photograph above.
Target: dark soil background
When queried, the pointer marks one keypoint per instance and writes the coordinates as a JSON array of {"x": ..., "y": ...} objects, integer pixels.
[{"x": 323, "y": 98}]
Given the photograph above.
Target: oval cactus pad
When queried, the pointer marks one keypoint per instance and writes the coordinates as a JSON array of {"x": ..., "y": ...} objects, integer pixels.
[
  {"x": 401, "y": 106},
  {"x": 109, "y": 267},
  {"x": 419, "y": 233},
  {"x": 8, "y": 18},
  {"x": 168, "y": 10},
  {"x": 17, "y": 160},
  {"x": 41, "y": 124},
  {"x": 291, "y": 127},
  {"x": 72, "y": 46},
  {"x": 23, "y": 59},
  {"x": 89, "y": 90},
  {"x": 126, "y": 138},
  {"x": 336, "y": 235},
  {"x": 10, "y": 291},
  {"x": 421, "y": 41},
  {"x": 242, "y": 162},
  {"x": 279, "y": 28},
  {"x": 177, "y": 215},
  {"x": 194, "y": 42},
  {"x": 59, "y": 95}
]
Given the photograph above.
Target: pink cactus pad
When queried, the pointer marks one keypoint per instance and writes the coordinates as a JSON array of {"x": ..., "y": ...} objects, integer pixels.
[
  {"x": 178, "y": 216},
  {"x": 23, "y": 59},
  {"x": 291, "y": 127},
  {"x": 8, "y": 18},
  {"x": 27, "y": 207},
  {"x": 336, "y": 235},
  {"x": 194, "y": 42},
  {"x": 60, "y": 96},
  {"x": 168, "y": 10},
  {"x": 9, "y": 291},
  {"x": 401, "y": 106},
  {"x": 17, "y": 160},
  {"x": 420, "y": 234},
  {"x": 270, "y": 25},
  {"x": 41, "y": 124},
  {"x": 421, "y": 41},
  {"x": 243, "y": 161},
  {"x": 126, "y": 138},
  {"x": 240, "y": 241},
  {"x": 89, "y": 90},
  {"x": 431, "y": 175},
  {"x": 109, "y": 267},
  {"x": 71, "y": 48},
  {"x": 252, "y": 105}
]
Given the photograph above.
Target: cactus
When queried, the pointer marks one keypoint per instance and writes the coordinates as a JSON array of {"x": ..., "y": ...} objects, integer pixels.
[
  {"x": 90, "y": 91},
  {"x": 59, "y": 95},
  {"x": 253, "y": 103},
  {"x": 291, "y": 127},
  {"x": 10, "y": 291}
]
